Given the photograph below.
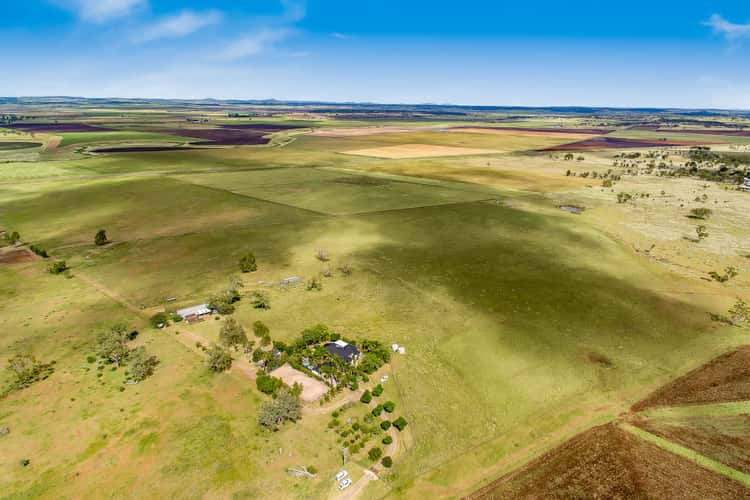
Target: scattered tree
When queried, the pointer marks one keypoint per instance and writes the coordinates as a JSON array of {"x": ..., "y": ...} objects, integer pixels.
[
  {"x": 219, "y": 359},
  {"x": 112, "y": 344},
  {"x": 142, "y": 364},
  {"x": 378, "y": 390},
  {"x": 701, "y": 232},
  {"x": 248, "y": 264},
  {"x": 387, "y": 440},
  {"x": 101, "y": 238},
  {"x": 26, "y": 370},
  {"x": 385, "y": 425},
  {"x": 260, "y": 329},
  {"x": 387, "y": 462},
  {"x": 232, "y": 334},
  {"x": 285, "y": 408},
  {"x": 389, "y": 406},
  {"x": 223, "y": 302},
  {"x": 315, "y": 283},
  {"x": 740, "y": 312},
  {"x": 159, "y": 320},
  {"x": 322, "y": 255}
]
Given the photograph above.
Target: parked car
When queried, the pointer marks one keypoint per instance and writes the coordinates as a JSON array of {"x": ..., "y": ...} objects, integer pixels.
[
  {"x": 341, "y": 475},
  {"x": 345, "y": 484}
]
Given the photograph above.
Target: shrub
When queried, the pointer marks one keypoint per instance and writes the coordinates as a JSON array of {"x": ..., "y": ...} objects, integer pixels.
[
  {"x": 248, "y": 264},
  {"x": 90, "y": 359},
  {"x": 315, "y": 283},
  {"x": 58, "y": 267},
  {"x": 219, "y": 359},
  {"x": 112, "y": 344},
  {"x": 267, "y": 384},
  {"x": 387, "y": 462},
  {"x": 389, "y": 406},
  {"x": 400, "y": 423},
  {"x": 223, "y": 302},
  {"x": 39, "y": 251},
  {"x": 101, "y": 238},
  {"x": 159, "y": 320},
  {"x": 387, "y": 440},
  {"x": 312, "y": 469},
  {"x": 377, "y": 410},
  {"x": 26, "y": 370},
  {"x": 176, "y": 318},
  {"x": 260, "y": 300},
  {"x": 378, "y": 390},
  {"x": 701, "y": 213},
  {"x": 375, "y": 453},
  {"x": 385, "y": 425},
  {"x": 366, "y": 397}
]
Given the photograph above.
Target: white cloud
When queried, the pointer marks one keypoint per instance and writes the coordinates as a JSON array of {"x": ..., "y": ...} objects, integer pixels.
[
  {"x": 98, "y": 11},
  {"x": 179, "y": 25},
  {"x": 729, "y": 30},
  {"x": 273, "y": 31},
  {"x": 254, "y": 43},
  {"x": 341, "y": 36}
]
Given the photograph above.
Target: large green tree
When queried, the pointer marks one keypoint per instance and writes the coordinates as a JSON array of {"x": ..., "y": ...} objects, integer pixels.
[{"x": 232, "y": 334}]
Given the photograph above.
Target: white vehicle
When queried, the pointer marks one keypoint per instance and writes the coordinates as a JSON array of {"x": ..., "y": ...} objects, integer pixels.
[
  {"x": 341, "y": 475},
  {"x": 345, "y": 484}
]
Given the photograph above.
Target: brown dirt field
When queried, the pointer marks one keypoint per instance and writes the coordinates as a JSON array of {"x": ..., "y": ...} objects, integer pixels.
[
  {"x": 531, "y": 132},
  {"x": 53, "y": 143},
  {"x": 617, "y": 143},
  {"x": 726, "y": 378},
  {"x": 56, "y": 127},
  {"x": 419, "y": 151},
  {"x": 725, "y": 439},
  {"x": 312, "y": 389},
  {"x": 15, "y": 256},
  {"x": 607, "y": 462}
]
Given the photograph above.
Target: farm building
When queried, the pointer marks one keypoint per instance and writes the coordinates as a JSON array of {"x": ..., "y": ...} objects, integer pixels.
[
  {"x": 746, "y": 184},
  {"x": 194, "y": 313},
  {"x": 343, "y": 350}
]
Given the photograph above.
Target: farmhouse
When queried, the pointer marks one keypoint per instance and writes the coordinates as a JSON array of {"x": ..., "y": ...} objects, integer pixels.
[
  {"x": 343, "y": 350},
  {"x": 194, "y": 313}
]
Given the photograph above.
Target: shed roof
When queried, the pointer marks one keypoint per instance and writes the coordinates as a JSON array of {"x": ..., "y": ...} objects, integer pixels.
[{"x": 198, "y": 310}]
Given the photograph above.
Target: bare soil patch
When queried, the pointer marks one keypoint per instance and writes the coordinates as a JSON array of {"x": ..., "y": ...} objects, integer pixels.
[
  {"x": 141, "y": 149},
  {"x": 312, "y": 389},
  {"x": 419, "y": 151},
  {"x": 607, "y": 462},
  {"x": 243, "y": 134},
  {"x": 725, "y": 439},
  {"x": 617, "y": 143},
  {"x": 56, "y": 127},
  {"x": 726, "y": 378},
  {"x": 15, "y": 256}
]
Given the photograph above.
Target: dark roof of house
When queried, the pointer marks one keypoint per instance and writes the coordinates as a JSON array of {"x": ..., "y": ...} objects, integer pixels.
[{"x": 342, "y": 350}]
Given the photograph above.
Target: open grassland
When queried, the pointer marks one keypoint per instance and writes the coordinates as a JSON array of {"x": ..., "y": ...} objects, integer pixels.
[
  {"x": 78, "y": 138},
  {"x": 523, "y": 324}
]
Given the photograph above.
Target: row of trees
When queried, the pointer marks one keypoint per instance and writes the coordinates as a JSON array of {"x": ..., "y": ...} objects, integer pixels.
[{"x": 113, "y": 346}]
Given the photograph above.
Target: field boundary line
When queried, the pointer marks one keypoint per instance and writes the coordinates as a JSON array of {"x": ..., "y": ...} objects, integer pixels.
[{"x": 692, "y": 455}]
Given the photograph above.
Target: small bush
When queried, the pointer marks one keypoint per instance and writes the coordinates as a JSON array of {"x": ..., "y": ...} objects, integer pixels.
[
  {"x": 375, "y": 453},
  {"x": 387, "y": 440},
  {"x": 366, "y": 397},
  {"x": 387, "y": 462},
  {"x": 400, "y": 423},
  {"x": 260, "y": 300},
  {"x": 312, "y": 469},
  {"x": 389, "y": 406},
  {"x": 159, "y": 320},
  {"x": 385, "y": 425},
  {"x": 58, "y": 267},
  {"x": 248, "y": 264},
  {"x": 315, "y": 283},
  {"x": 378, "y": 390}
]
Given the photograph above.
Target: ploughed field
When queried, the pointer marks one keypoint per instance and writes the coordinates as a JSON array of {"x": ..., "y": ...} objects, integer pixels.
[{"x": 524, "y": 325}]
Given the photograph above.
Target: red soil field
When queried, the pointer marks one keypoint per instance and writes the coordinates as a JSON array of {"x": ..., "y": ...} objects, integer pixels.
[
  {"x": 141, "y": 149},
  {"x": 608, "y": 462},
  {"x": 15, "y": 256},
  {"x": 726, "y": 378},
  {"x": 56, "y": 127},
  {"x": 725, "y": 439},
  {"x": 590, "y": 131},
  {"x": 617, "y": 143},
  {"x": 230, "y": 135}
]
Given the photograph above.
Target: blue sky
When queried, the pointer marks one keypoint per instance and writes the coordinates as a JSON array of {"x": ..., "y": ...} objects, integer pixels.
[{"x": 538, "y": 53}]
